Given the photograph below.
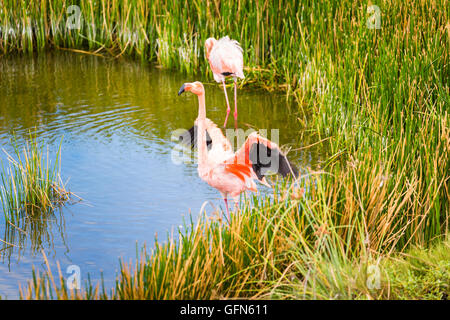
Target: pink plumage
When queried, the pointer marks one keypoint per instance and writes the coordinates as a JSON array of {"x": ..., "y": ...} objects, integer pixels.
[
  {"x": 226, "y": 60},
  {"x": 225, "y": 56},
  {"x": 231, "y": 173}
]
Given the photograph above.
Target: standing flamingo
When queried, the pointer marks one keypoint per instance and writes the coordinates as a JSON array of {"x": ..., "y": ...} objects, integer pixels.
[
  {"x": 232, "y": 173},
  {"x": 225, "y": 59}
]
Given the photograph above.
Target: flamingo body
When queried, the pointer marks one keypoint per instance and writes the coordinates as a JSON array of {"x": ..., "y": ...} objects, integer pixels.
[
  {"x": 219, "y": 170},
  {"x": 225, "y": 59},
  {"x": 231, "y": 173}
]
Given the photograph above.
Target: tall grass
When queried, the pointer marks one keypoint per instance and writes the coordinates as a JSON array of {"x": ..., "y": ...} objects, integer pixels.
[
  {"x": 290, "y": 246},
  {"x": 292, "y": 44},
  {"x": 31, "y": 183}
]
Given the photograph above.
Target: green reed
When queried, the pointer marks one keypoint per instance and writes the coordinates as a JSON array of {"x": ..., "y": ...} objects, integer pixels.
[
  {"x": 285, "y": 42},
  {"x": 289, "y": 246},
  {"x": 31, "y": 183},
  {"x": 377, "y": 99}
]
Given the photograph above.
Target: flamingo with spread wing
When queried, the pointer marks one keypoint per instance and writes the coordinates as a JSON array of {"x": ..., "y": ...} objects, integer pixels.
[{"x": 232, "y": 172}]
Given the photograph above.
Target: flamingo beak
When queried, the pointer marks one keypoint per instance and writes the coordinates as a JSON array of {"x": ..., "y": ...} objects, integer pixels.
[{"x": 181, "y": 90}]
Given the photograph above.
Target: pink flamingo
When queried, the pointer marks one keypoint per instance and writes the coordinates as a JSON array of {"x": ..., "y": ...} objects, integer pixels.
[
  {"x": 225, "y": 59},
  {"x": 232, "y": 172}
]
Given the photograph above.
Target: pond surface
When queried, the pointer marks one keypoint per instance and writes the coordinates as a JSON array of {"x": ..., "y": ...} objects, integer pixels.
[{"x": 115, "y": 119}]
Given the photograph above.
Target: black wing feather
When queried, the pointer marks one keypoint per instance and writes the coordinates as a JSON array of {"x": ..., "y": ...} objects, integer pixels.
[
  {"x": 264, "y": 159},
  {"x": 189, "y": 138}
]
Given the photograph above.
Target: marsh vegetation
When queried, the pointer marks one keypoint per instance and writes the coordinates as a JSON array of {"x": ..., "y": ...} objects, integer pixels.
[{"x": 375, "y": 99}]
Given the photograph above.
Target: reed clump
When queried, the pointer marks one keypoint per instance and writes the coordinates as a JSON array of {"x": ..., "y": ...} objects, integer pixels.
[
  {"x": 377, "y": 99},
  {"x": 282, "y": 247},
  {"x": 31, "y": 183},
  {"x": 291, "y": 45}
]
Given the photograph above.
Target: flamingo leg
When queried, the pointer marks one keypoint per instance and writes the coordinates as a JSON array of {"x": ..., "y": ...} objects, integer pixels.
[
  {"x": 236, "y": 202},
  {"x": 226, "y": 206},
  {"x": 228, "y": 104},
  {"x": 235, "y": 104}
]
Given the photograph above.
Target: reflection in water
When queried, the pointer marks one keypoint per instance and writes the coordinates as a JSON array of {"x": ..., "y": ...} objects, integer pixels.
[
  {"x": 98, "y": 98},
  {"x": 31, "y": 234},
  {"x": 116, "y": 118}
]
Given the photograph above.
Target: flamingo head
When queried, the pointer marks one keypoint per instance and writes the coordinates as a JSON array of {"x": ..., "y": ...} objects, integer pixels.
[
  {"x": 209, "y": 44},
  {"x": 194, "y": 87}
]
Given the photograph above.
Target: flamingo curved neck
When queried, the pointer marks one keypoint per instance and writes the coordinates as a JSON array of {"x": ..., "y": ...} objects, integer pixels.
[
  {"x": 201, "y": 106},
  {"x": 201, "y": 135}
]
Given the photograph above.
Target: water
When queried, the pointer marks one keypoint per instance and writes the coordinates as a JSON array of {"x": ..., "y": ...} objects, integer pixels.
[{"x": 115, "y": 118}]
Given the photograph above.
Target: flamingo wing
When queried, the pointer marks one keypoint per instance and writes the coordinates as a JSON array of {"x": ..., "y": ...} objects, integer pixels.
[
  {"x": 244, "y": 173},
  {"x": 265, "y": 157}
]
